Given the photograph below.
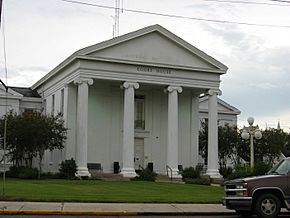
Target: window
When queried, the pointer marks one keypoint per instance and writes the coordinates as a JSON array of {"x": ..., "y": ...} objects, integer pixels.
[
  {"x": 139, "y": 112},
  {"x": 28, "y": 110},
  {"x": 62, "y": 101},
  {"x": 50, "y": 158},
  {"x": 52, "y": 104}
]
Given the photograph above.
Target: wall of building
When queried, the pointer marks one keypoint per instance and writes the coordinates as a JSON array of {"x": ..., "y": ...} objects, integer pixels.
[
  {"x": 105, "y": 124},
  {"x": 12, "y": 104},
  {"x": 52, "y": 159},
  {"x": 223, "y": 119}
]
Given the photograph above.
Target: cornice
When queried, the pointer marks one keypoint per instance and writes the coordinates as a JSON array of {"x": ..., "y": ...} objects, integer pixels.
[
  {"x": 150, "y": 64},
  {"x": 151, "y": 79}
]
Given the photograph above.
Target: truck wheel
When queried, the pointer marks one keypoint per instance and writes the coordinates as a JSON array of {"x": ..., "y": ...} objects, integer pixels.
[
  {"x": 244, "y": 213},
  {"x": 268, "y": 206}
]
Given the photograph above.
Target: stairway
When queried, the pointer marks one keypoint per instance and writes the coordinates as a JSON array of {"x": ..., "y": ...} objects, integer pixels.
[
  {"x": 165, "y": 178},
  {"x": 107, "y": 176},
  {"x": 118, "y": 177}
]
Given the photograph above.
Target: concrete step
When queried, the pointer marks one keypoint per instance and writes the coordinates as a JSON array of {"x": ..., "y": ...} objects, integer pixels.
[
  {"x": 165, "y": 178},
  {"x": 108, "y": 176},
  {"x": 96, "y": 174}
]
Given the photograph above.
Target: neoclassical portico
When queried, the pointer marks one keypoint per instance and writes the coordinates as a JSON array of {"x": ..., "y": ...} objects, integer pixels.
[{"x": 165, "y": 74}]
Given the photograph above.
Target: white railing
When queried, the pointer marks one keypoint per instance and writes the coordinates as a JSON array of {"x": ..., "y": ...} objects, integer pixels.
[{"x": 169, "y": 168}]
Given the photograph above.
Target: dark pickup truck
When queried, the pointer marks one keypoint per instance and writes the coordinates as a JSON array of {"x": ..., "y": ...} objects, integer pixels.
[{"x": 261, "y": 195}]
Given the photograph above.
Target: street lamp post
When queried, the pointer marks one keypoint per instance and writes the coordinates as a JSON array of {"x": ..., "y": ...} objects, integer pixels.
[{"x": 251, "y": 132}]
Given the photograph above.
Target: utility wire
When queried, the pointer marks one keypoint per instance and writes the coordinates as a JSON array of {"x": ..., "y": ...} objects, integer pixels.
[
  {"x": 251, "y": 2},
  {"x": 0, "y": 11},
  {"x": 283, "y": 1},
  {"x": 177, "y": 16},
  {"x": 6, "y": 102}
]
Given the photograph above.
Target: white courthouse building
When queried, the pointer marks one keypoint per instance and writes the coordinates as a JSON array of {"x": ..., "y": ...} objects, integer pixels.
[{"x": 134, "y": 99}]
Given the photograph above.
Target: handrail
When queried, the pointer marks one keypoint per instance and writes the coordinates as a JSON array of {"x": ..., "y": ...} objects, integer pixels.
[
  {"x": 168, "y": 167},
  {"x": 140, "y": 167}
]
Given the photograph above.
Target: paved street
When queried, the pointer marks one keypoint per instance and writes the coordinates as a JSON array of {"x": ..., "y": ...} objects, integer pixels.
[{"x": 61, "y": 216}]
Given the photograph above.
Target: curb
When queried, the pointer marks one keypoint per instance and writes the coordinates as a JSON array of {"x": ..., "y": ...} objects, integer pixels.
[
  {"x": 108, "y": 213},
  {"x": 186, "y": 213},
  {"x": 116, "y": 213},
  {"x": 69, "y": 212}
]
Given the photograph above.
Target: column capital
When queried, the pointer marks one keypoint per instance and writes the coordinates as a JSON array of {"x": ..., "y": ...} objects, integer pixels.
[
  {"x": 214, "y": 92},
  {"x": 173, "y": 88},
  {"x": 79, "y": 81},
  {"x": 127, "y": 85}
]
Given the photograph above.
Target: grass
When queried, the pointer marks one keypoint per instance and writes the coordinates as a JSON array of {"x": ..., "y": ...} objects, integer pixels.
[{"x": 109, "y": 191}]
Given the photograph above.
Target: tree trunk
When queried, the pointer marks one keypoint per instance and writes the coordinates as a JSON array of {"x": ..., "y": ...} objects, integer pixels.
[{"x": 41, "y": 154}]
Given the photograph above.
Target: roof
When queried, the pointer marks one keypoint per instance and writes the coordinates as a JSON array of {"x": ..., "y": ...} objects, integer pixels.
[
  {"x": 26, "y": 92},
  {"x": 224, "y": 107},
  {"x": 85, "y": 52},
  {"x": 146, "y": 30}
]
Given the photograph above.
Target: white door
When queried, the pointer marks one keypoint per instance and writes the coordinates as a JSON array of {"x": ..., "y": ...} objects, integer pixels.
[{"x": 139, "y": 153}]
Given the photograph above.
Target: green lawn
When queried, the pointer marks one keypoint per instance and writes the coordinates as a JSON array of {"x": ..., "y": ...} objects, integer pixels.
[{"x": 108, "y": 191}]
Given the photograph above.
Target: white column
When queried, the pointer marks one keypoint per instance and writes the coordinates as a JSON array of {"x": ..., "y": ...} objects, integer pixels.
[
  {"x": 172, "y": 130},
  {"x": 82, "y": 126},
  {"x": 65, "y": 117},
  {"x": 194, "y": 149},
  {"x": 212, "y": 157},
  {"x": 128, "y": 129},
  {"x": 71, "y": 111}
]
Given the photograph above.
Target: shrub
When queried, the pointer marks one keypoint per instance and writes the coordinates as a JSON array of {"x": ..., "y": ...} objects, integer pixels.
[
  {"x": 145, "y": 175},
  {"x": 190, "y": 173},
  {"x": 226, "y": 171},
  {"x": 261, "y": 168},
  {"x": 22, "y": 172},
  {"x": 198, "y": 181},
  {"x": 12, "y": 172},
  {"x": 67, "y": 169},
  {"x": 50, "y": 175},
  {"x": 241, "y": 172},
  {"x": 28, "y": 173}
]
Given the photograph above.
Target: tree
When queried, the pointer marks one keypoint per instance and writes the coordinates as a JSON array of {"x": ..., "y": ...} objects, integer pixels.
[
  {"x": 232, "y": 146},
  {"x": 269, "y": 147},
  {"x": 30, "y": 134},
  {"x": 203, "y": 140},
  {"x": 286, "y": 149},
  {"x": 228, "y": 139}
]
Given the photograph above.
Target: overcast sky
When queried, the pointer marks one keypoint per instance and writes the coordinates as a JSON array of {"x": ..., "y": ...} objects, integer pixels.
[{"x": 42, "y": 33}]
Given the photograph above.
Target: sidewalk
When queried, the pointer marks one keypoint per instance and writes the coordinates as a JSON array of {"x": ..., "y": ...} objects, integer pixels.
[
  {"x": 10, "y": 207},
  {"x": 113, "y": 209}
]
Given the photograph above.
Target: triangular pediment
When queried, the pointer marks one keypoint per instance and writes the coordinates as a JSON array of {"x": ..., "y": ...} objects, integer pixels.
[
  {"x": 151, "y": 46},
  {"x": 154, "y": 45},
  {"x": 10, "y": 93},
  {"x": 222, "y": 106}
]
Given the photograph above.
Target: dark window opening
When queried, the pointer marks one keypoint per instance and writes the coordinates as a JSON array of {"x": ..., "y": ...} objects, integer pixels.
[{"x": 139, "y": 112}]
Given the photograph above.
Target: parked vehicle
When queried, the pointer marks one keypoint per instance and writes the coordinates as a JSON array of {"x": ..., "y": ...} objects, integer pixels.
[{"x": 261, "y": 195}]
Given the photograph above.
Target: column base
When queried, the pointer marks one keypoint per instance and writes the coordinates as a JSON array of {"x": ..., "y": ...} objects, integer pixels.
[
  {"x": 128, "y": 172},
  {"x": 215, "y": 174},
  {"x": 175, "y": 174},
  {"x": 82, "y": 172}
]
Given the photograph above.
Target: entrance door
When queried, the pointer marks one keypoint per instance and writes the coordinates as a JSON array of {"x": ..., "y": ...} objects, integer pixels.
[{"x": 139, "y": 153}]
